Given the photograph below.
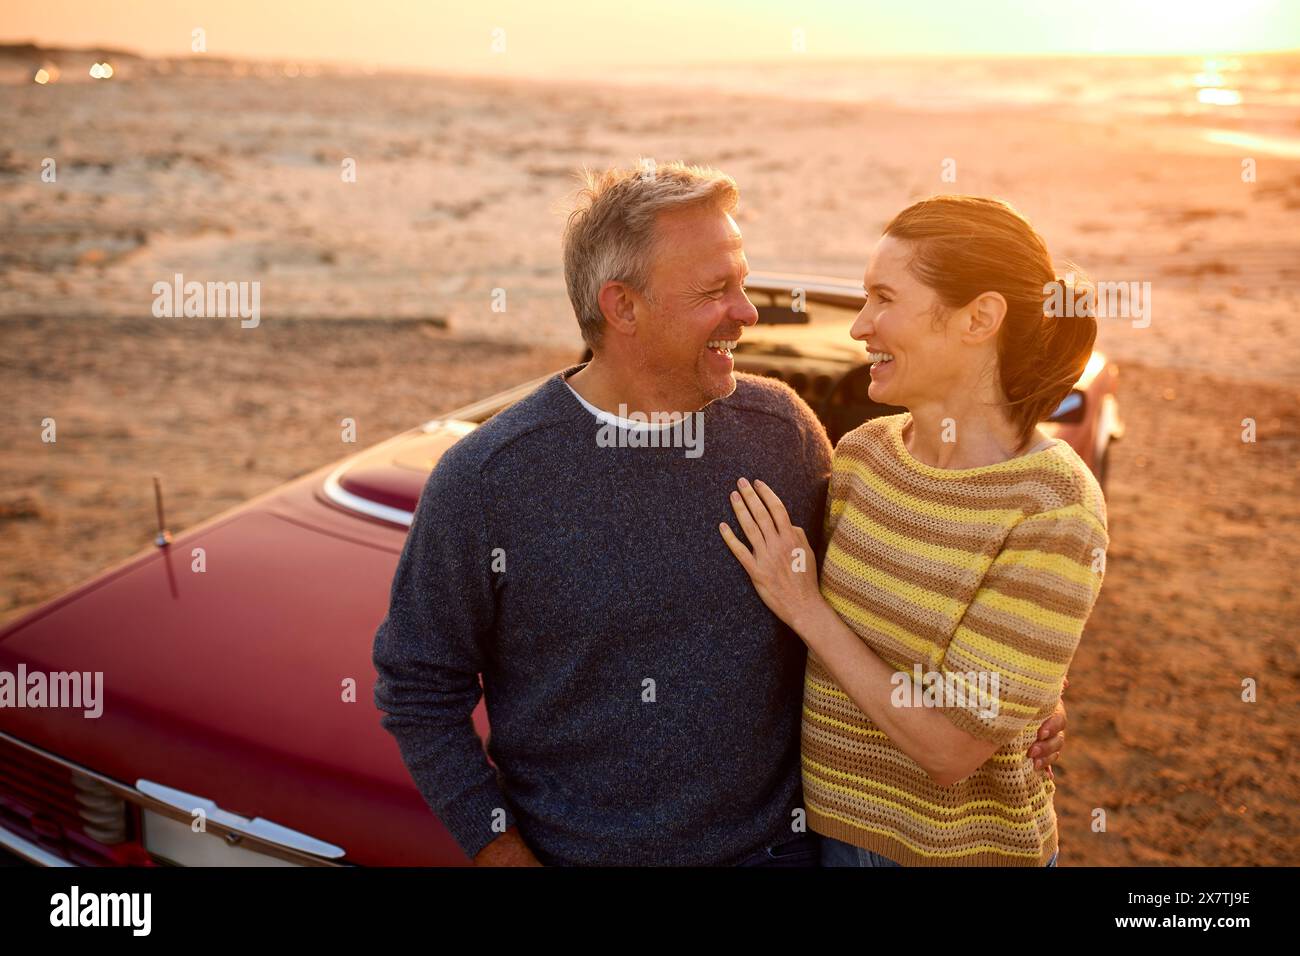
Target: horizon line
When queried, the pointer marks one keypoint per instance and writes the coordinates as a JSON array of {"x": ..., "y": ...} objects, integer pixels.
[{"x": 542, "y": 72}]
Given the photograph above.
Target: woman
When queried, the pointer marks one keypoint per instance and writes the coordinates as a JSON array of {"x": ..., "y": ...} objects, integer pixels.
[{"x": 965, "y": 553}]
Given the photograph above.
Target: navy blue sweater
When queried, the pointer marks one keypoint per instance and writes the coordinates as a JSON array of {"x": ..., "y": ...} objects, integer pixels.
[{"x": 644, "y": 704}]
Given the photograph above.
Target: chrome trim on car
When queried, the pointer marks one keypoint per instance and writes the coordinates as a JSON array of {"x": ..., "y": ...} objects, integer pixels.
[
  {"x": 258, "y": 827},
  {"x": 1109, "y": 427},
  {"x": 336, "y": 493},
  {"x": 1110, "y": 420},
  {"x": 260, "y": 842},
  {"x": 29, "y": 851},
  {"x": 460, "y": 427}
]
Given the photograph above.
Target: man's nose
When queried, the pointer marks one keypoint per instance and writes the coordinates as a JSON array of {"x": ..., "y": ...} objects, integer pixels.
[{"x": 746, "y": 313}]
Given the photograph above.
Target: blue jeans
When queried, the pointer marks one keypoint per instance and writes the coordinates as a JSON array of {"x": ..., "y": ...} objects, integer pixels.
[
  {"x": 838, "y": 853},
  {"x": 802, "y": 850}
]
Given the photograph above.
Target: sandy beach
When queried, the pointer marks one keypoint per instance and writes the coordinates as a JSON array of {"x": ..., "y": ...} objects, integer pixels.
[{"x": 377, "y": 303}]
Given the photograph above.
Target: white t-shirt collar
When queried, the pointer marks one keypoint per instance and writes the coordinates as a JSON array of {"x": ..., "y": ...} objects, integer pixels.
[{"x": 616, "y": 420}]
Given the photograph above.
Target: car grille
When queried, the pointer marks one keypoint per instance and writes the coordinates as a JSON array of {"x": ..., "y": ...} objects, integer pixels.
[{"x": 66, "y": 813}]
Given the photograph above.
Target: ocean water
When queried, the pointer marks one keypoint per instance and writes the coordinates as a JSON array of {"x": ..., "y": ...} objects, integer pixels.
[{"x": 1249, "y": 98}]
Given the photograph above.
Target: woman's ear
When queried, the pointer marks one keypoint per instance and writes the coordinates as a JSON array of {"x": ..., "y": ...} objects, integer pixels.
[{"x": 985, "y": 315}]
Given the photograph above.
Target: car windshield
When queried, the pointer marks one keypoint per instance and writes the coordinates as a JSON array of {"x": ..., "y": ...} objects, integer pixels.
[{"x": 777, "y": 308}]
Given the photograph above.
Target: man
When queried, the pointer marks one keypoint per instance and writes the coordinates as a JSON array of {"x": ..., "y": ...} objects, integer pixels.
[{"x": 645, "y": 704}]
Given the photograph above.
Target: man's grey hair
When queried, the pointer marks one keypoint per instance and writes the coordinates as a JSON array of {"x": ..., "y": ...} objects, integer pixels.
[{"x": 610, "y": 234}]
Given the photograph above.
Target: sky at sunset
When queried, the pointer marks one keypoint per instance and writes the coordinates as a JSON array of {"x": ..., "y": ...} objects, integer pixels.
[{"x": 533, "y": 37}]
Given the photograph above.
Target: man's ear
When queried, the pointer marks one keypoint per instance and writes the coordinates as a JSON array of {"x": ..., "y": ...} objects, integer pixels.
[
  {"x": 618, "y": 306},
  {"x": 984, "y": 316}
]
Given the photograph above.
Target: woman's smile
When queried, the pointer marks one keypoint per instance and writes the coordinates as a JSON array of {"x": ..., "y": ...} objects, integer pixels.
[
  {"x": 874, "y": 357},
  {"x": 882, "y": 366}
]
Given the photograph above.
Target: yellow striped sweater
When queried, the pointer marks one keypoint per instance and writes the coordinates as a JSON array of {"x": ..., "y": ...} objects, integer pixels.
[{"x": 982, "y": 578}]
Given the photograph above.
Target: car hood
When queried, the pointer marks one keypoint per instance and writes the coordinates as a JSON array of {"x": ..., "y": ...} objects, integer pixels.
[{"x": 237, "y": 666}]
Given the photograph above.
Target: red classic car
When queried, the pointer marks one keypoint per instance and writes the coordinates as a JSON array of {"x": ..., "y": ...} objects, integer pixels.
[{"x": 238, "y": 724}]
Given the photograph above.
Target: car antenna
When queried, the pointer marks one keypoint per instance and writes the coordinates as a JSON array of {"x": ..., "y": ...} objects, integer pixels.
[{"x": 164, "y": 537}]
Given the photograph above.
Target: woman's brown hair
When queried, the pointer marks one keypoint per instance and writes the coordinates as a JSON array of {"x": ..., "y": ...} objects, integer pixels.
[{"x": 966, "y": 245}]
